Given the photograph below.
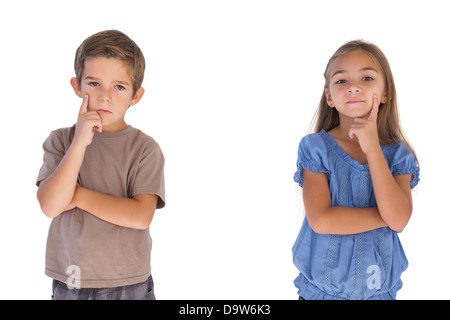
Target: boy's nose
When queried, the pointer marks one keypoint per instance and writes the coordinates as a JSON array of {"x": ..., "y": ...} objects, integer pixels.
[{"x": 105, "y": 95}]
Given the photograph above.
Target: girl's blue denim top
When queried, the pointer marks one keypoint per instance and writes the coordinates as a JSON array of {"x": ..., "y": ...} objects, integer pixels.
[{"x": 366, "y": 265}]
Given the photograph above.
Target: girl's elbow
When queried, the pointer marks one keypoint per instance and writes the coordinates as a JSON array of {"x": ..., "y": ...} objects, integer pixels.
[
  {"x": 399, "y": 224},
  {"x": 397, "y": 229},
  {"x": 318, "y": 226}
]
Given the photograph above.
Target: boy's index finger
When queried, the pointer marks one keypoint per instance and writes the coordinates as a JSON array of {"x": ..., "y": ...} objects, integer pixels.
[{"x": 84, "y": 105}]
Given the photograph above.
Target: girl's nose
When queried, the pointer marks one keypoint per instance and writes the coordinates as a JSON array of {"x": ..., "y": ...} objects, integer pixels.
[{"x": 352, "y": 88}]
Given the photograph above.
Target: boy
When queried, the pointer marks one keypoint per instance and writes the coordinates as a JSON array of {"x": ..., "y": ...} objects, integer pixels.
[{"x": 101, "y": 180}]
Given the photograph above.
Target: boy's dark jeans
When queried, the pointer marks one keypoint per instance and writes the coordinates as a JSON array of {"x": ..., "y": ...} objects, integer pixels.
[{"x": 139, "y": 291}]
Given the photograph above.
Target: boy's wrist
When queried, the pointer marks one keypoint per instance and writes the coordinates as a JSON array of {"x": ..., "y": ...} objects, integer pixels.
[
  {"x": 78, "y": 146},
  {"x": 76, "y": 195}
]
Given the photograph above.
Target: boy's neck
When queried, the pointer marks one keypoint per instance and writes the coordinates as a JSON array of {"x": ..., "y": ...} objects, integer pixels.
[{"x": 115, "y": 127}]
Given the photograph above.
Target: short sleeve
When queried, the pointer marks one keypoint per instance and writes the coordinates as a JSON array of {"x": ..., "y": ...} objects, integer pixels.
[
  {"x": 150, "y": 174},
  {"x": 312, "y": 156},
  {"x": 403, "y": 161},
  {"x": 54, "y": 148}
]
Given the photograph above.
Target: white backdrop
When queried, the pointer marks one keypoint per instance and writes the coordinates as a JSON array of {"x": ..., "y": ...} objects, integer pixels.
[{"x": 231, "y": 88}]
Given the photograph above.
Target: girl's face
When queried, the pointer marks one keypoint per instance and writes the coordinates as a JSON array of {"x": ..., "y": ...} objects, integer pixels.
[{"x": 354, "y": 79}]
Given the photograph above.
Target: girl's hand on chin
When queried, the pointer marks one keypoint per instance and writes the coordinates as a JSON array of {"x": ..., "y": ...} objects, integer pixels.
[{"x": 365, "y": 130}]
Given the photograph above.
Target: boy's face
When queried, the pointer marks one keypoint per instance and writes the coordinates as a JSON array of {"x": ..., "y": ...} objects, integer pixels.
[{"x": 110, "y": 89}]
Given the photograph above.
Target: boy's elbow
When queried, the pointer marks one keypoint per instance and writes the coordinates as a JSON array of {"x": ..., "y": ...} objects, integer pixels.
[
  {"x": 148, "y": 219},
  {"x": 145, "y": 211},
  {"x": 49, "y": 212},
  {"x": 144, "y": 224},
  {"x": 47, "y": 208},
  {"x": 144, "y": 220}
]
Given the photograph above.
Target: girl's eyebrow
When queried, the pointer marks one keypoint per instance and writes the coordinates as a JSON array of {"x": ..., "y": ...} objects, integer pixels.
[{"x": 360, "y": 70}]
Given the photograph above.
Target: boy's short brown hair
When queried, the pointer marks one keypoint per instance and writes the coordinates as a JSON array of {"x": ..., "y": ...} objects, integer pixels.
[{"x": 112, "y": 44}]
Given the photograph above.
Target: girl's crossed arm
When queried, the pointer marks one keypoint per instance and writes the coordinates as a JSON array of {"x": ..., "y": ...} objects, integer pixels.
[
  {"x": 393, "y": 193},
  {"x": 326, "y": 219}
]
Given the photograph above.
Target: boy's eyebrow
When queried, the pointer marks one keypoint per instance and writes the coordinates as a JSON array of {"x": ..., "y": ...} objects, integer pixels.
[
  {"x": 361, "y": 70},
  {"x": 97, "y": 79}
]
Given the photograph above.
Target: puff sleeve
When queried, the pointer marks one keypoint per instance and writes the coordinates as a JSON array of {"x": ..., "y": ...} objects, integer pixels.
[
  {"x": 312, "y": 155},
  {"x": 402, "y": 161}
]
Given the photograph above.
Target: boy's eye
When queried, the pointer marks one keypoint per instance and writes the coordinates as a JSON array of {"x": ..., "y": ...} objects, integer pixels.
[
  {"x": 93, "y": 84},
  {"x": 119, "y": 87}
]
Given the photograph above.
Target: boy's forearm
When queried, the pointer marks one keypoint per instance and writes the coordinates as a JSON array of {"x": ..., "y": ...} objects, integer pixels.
[
  {"x": 136, "y": 213},
  {"x": 393, "y": 203},
  {"x": 56, "y": 192}
]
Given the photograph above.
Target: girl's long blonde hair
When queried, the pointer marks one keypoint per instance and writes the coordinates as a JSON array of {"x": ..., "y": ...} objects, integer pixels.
[{"x": 388, "y": 122}]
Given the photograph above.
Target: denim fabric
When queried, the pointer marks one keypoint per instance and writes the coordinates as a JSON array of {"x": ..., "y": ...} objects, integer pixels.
[
  {"x": 140, "y": 291},
  {"x": 358, "y": 266}
]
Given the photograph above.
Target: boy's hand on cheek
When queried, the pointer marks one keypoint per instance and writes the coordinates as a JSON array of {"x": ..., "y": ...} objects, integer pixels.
[{"x": 88, "y": 122}]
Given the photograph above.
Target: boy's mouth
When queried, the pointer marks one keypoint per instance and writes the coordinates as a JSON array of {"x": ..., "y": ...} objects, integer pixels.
[{"x": 104, "y": 111}]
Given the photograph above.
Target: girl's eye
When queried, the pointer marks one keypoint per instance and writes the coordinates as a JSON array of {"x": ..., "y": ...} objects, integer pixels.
[
  {"x": 367, "y": 79},
  {"x": 341, "y": 81}
]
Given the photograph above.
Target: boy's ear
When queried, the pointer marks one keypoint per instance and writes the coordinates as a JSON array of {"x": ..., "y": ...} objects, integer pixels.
[
  {"x": 138, "y": 96},
  {"x": 75, "y": 86}
]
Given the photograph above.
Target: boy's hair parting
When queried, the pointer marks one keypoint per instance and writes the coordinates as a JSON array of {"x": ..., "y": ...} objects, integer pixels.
[
  {"x": 112, "y": 44},
  {"x": 388, "y": 122}
]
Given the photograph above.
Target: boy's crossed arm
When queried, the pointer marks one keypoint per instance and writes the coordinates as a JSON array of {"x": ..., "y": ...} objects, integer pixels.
[
  {"x": 56, "y": 192},
  {"x": 60, "y": 191},
  {"x": 136, "y": 213}
]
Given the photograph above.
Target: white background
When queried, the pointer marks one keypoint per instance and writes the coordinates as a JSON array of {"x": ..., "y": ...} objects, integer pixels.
[{"x": 231, "y": 88}]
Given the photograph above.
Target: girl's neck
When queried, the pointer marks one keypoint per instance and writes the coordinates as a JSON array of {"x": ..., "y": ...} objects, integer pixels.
[
  {"x": 341, "y": 133},
  {"x": 350, "y": 146}
]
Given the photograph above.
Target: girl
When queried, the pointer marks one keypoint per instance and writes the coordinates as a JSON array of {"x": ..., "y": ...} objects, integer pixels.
[{"x": 357, "y": 172}]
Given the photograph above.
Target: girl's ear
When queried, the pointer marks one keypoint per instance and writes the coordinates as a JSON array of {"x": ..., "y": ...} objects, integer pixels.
[
  {"x": 384, "y": 98},
  {"x": 75, "y": 86},
  {"x": 329, "y": 100}
]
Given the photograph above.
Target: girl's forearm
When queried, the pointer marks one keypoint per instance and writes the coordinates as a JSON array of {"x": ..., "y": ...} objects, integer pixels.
[
  {"x": 393, "y": 203},
  {"x": 56, "y": 192},
  {"x": 345, "y": 220}
]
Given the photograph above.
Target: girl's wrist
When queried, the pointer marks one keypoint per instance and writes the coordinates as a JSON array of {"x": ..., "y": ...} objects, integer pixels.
[{"x": 375, "y": 153}]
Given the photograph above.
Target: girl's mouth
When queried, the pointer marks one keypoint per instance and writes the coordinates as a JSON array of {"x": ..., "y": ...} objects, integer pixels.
[{"x": 354, "y": 101}]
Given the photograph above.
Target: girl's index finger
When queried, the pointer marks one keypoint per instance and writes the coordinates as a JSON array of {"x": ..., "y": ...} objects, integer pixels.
[{"x": 375, "y": 106}]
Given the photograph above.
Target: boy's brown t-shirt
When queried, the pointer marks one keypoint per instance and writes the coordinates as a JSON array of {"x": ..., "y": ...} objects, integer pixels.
[{"x": 82, "y": 247}]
